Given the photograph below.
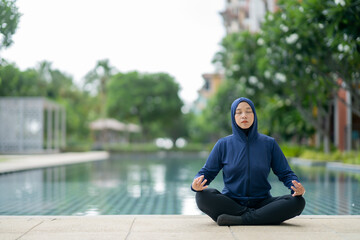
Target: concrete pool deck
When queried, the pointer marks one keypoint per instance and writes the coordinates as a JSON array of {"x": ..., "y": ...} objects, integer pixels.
[
  {"x": 134, "y": 227},
  {"x": 13, "y": 163}
]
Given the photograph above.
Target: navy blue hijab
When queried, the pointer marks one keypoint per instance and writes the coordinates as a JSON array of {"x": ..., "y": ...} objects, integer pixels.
[{"x": 252, "y": 131}]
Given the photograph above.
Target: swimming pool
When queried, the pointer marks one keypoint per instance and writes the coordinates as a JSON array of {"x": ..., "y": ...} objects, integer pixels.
[{"x": 145, "y": 185}]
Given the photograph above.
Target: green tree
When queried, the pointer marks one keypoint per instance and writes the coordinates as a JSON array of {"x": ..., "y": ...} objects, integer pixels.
[
  {"x": 293, "y": 66},
  {"x": 341, "y": 22},
  {"x": 96, "y": 81},
  {"x": 245, "y": 60},
  {"x": 215, "y": 119},
  {"x": 58, "y": 84},
  {"x": 9, "y": 20},
  {"x": 14, "y": 82},
  {"x": 239, "y": 57},
  {"x": 79, "y": 105},
  {"x": 150, "y": 100},
  {"x": 306, "y": 56}
]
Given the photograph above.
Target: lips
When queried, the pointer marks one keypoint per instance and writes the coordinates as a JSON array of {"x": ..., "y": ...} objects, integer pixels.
[{"x": 244, "y": 122}]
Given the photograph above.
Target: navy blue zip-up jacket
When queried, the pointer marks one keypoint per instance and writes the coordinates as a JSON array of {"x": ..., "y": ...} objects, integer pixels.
[{"x": 246, "y": 161}]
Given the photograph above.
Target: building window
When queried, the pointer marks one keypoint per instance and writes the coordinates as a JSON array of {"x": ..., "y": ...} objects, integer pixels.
[{"x": 207, "y": 84}]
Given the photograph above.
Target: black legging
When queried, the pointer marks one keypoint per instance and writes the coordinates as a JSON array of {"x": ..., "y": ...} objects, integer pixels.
[{"x": 272, "y": 210}]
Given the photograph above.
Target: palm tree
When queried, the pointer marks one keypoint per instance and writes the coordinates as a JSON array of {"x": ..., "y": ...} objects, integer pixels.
[{"x": 96, "y": 80}]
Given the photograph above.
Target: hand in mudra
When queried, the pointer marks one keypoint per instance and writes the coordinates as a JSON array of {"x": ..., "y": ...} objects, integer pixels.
[
  {"x": 199, "y": 183},
  {"x": 298, "y": 189}
]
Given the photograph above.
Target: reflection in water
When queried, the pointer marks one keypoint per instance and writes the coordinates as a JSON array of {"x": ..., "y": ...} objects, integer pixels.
[
  {"x": 160, "y": 186},
  {"x": 327, "y": 192},
  {"x": 134, "y": 181},
  {"x": 189, "y": 206},
  {"x": 158, "y": 177}
]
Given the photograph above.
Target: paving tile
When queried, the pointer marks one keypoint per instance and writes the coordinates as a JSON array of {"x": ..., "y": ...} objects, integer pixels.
[
  {"x": 342, "y": 225},
  {"x": 9, "y": 236},
  {"x": 176, "y": 224},
  {"x": 177, "y": 227},
  {"x": 101, "y": 227},
  {"x": 293, "y": 225},
  {"x": 287, "y": 235},
  {"x": 304, "y": 228},
  {"x": 191, "y": 235},
  {"x": 18, "y": 224},
  {"x": 349, "y": 236},
  {"x": 74, "y": 236},
  {"x": 86, "y": 224},
  {"x": 134, "y": 227}
]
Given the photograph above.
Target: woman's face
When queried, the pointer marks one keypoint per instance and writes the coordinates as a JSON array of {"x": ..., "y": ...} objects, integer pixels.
[{"x": 244, "y": 116}]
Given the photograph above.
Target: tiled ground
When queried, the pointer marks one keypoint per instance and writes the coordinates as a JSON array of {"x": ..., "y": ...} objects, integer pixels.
[{"x": 134, "y": 227}]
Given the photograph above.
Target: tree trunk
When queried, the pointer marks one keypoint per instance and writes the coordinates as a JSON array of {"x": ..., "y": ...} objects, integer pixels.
[
  {"x": 318, "y": 139},
  {"x": 327, "y": 117},
  {"x": 326, "y": 143}
]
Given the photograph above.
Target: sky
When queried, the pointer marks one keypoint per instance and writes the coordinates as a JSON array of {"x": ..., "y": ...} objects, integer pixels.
[{"x": 179, "y": 37}]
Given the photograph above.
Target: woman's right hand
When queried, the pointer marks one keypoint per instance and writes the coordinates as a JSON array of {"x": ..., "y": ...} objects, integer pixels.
[{"x": 199, "y": 183}]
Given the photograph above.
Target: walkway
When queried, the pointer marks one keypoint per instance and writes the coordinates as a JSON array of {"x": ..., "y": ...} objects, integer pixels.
[
  {"x": 25, "y": 162},
  {"x": 129, "y": 227}
]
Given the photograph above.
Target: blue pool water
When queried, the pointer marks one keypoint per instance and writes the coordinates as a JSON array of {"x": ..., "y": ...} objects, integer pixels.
[{"x": 126, "y": 185}]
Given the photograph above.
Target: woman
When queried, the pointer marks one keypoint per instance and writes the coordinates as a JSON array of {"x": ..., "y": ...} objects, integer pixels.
[{"x": 246, "y": 158}]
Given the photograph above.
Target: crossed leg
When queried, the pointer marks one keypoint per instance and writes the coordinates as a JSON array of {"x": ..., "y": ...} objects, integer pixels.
[{"x": 273, "y": 210}]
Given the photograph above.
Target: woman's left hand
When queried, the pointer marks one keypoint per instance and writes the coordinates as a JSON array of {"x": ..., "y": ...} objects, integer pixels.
[{"x": 298, "y": 189}]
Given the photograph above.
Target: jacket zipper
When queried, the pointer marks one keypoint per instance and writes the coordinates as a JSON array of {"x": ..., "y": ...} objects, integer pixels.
[{"x": 248, "y": 158}]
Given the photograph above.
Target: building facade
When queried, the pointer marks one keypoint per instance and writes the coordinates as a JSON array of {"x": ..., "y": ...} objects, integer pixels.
[
  {"x": 108, "y": 132},
  {"x": 346, "y": 128},
  {"x": 212, "y": 83},
  {"x": 31, "y": 125},
  {"x": 241, "y": 15}
]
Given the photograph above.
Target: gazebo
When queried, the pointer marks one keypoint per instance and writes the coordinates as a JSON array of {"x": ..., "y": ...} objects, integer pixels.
[
  {"x": 31, "y": 125},
  {"x": 108, "y": 131}
]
